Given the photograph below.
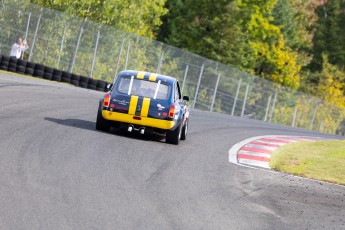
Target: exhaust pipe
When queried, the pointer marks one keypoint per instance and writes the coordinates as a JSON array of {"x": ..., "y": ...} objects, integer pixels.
[
  {"x": 142, "y": 131},
  {"x": 130, "y": 128}
]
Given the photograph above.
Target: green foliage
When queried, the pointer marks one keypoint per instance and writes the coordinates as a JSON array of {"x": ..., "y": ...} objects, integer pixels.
[
  {"x": 141, "y": 17},
  {"x": 329, "y": 36}
]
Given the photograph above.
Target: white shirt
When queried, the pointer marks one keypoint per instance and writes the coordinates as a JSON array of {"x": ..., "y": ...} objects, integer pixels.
[{"x": 16, "y": 50}]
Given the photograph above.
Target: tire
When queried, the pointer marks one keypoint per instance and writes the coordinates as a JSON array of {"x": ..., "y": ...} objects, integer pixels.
[
  {"x": 66, "y": 77},
  {"x": 101, "y": 123},
  {"x": 75, "y": 79},
  {"x": 184, "y": 131},
  {"x": 5, "y": 58},
  {"x": 12, "y": 66},
  {"x": 39, "y": 67},
  {"x": 47, "y": 76},
  {"x": 13, "y": 61},
  {"x": 21, "y": 62},
  {"x": 48, "y": 70},
  {"x": 83, "y": 81},
  {"x": 20, "y": 69},
  {"x": 173, "y": 137},
  {"x": 83, "y": 84},
  {"x": 56, "y": 78},
  {"x": 30, "y": 65},
  {"x": 57, "y": 72},
  {"x": 4, "y": 65},
  {"x": 92, "y": 84},
  {"x": 101, "y": 85},
  {"x": 38, "y": 73},
  {"x": 75, "y": 82},
  {"x": 57, "y": 75},
  {"x": 29, "y": 71}
]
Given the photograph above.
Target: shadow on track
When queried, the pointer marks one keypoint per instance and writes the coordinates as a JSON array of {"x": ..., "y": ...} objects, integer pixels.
[
  {"x": 91, "y": 126},
  {"x": 81, "y": 124}
]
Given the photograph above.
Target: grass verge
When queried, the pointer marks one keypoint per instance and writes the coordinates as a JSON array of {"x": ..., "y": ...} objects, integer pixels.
[{"x": 320, "y": 160}]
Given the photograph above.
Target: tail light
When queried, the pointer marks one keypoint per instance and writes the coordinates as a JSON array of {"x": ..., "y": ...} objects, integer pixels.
[
  {"x": 172, "y": 111},
  {"x": 106, "y": 101}
]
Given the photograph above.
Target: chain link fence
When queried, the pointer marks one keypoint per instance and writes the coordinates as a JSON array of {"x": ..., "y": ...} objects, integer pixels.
[{"x": 90, "y": 49}]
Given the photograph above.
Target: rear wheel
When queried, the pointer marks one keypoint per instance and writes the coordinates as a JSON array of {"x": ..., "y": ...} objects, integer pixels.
[
  {"x": 173, "y": 137},
  {"x": 184, "y": 131},
  {"x": 101, "y": 123}
]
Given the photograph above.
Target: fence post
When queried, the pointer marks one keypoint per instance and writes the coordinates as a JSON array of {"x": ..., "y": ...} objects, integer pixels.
[
  {"x": 185, "y": 77},
  {"x": 245, "y": 100},
  {"x": 94, "y": 54},
  {"x": 236, "y": 96},
  {"x": 27, "y": 31},
  {"x": 268, "y": 107},
  {"x": 198, "y": 86},
  {"x": 294, "y": 117},
  {"x": 127, "y": 55},
  {"x": 273, "y": 106},
  {"x": 215, "y": 93},
  {"x": 119, "y": 57},
  {"x": 27, "y": 26},
  {"x": 313, "y": 118},
  {"x": 35, "y": 35},
  {"x": 160, "y": 60},
  {"x": 71, "y": 65},
  {"x": 61, "y": 45}
]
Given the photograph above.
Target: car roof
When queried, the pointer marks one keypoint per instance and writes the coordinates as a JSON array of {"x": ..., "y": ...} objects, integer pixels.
[{"x": 147, "y": 76}]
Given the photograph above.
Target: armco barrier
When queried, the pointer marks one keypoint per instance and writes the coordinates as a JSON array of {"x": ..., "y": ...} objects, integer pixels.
[{"x": 38, "y": 70}]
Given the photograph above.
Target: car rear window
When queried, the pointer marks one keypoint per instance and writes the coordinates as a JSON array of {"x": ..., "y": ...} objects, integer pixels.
[{"x": 144, "y": 88}]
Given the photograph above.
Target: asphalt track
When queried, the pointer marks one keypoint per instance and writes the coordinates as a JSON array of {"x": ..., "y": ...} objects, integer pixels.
[{"x": 58, "y": 172}]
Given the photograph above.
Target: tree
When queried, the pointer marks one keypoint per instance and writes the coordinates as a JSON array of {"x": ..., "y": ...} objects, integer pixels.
[
  {"x": 329, "y": 35},
  {"x": 331, "y": 85},
  {"x": 267, "y": 55},
  {"x": 142, "y": 17},
  {"x": 205, "y": 27}
]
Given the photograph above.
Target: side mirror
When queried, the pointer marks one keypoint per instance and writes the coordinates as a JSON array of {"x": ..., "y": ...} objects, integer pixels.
[
  {"x": 109, "y": 86},
  {"x": 186, "y": 98}
]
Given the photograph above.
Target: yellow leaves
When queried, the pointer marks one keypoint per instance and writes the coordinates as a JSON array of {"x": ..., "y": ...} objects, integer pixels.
[{"x": 332, "y": 84}]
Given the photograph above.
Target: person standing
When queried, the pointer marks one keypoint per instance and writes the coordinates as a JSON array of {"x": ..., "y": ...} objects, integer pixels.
[{"x": 19, "y": 47}]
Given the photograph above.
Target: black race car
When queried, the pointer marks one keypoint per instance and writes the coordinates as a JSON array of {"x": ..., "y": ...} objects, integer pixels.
[{"x": 145, "y": 102}]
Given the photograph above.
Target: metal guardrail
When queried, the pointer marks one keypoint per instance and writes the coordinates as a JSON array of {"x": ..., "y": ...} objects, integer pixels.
[{"x": 91, "y": 49}]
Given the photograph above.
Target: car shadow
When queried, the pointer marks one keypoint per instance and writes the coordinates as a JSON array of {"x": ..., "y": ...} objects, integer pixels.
[{"x": 91, "y": 126}]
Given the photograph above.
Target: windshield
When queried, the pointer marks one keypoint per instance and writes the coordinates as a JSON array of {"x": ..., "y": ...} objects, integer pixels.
[{"x": 144, "y": 88}]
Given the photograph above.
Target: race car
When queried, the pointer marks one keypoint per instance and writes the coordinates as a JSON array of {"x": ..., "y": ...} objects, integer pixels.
[{"x": 145, "y": 102}]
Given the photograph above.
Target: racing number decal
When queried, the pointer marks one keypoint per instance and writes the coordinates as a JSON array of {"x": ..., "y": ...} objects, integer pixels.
[
  {"x": 133, "y": 104},
  {"x": 145, "y": 108}
]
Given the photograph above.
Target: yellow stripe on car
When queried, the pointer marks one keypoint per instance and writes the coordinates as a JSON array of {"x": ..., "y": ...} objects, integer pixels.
[
  {"x": 153, "y": 77},
  {"x": 140, "y": 75},
  {"x": 145, "y": 107},
  {"x": 133, "y": 104},
  {"x": 145, "y": 121}
]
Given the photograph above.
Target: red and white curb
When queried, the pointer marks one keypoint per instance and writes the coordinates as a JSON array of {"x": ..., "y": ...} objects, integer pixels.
[{"x": 257, "y": 151}]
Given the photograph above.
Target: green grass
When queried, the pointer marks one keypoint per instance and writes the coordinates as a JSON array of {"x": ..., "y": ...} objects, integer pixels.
[{"x": 320, "y": 160}]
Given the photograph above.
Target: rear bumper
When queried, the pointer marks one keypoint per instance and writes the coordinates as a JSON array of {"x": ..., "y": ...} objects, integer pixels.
[{"x": 145, "y": 121}]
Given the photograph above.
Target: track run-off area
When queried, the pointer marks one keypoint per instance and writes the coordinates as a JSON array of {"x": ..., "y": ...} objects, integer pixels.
[{"x": 58, "y": 172}]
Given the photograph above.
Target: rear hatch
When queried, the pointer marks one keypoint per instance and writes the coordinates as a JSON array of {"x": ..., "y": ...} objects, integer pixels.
[{"x": 141, "y": 97}]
